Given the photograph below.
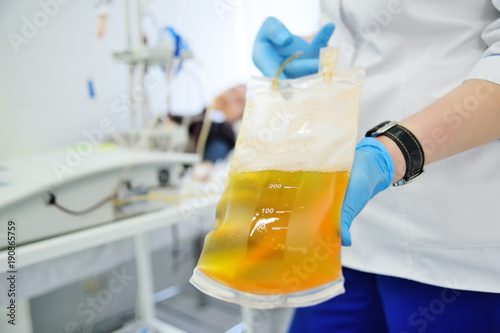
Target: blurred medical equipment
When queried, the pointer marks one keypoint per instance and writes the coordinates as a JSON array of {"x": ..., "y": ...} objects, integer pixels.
[
  {"x": 91, "y": 184},
  {"x": 51, "y": 198},
  {"x": 92, "y": 194},
  {"x": 169, "y": 53}
]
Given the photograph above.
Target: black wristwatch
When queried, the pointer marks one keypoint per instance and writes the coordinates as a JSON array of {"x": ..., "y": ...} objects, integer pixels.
[{"x": 409, "y": 145}]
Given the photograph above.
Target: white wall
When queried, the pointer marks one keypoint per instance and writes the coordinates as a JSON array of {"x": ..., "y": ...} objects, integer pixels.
[
  {"x": 44, "y": 101},
  {"x": 44, "y": 98}
]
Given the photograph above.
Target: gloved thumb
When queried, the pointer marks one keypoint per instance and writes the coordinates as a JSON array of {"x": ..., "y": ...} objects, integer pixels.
[
  {"x": 320, "y": 41},
  {"x": 372, "y": 172},
  {"x": 346, "y": 234},
  {"x": 301, "y": 67}
]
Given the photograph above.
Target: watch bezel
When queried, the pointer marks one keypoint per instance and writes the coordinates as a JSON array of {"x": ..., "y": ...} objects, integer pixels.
[{"x": 384, "y": 128}]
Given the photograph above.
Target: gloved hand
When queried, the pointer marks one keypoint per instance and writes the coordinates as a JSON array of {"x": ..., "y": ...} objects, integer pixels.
[
  {"x": 274, "y": 44},
  {"x": 372, "y": 172}
]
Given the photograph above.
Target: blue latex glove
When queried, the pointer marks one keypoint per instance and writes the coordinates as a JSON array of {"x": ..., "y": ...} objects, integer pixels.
[
  {"x": 372, "y": 172},
  {"x": 274, "y": 44}
]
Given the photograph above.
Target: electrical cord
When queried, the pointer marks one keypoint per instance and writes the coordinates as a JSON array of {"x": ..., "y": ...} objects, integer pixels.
[{"x": 52, "y": 201}]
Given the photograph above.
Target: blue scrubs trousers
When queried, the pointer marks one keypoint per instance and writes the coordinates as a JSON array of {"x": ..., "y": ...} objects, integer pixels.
[{"x": 377, "y": 303}]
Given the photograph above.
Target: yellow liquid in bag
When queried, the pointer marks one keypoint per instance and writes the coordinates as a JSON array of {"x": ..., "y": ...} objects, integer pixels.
[{"x": 277, "y": 232}]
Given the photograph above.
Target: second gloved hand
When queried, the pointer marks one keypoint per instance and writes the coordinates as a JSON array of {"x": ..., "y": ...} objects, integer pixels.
[
  {"x": 274, "y": 44},
  {"x": 372, "y": 172}
]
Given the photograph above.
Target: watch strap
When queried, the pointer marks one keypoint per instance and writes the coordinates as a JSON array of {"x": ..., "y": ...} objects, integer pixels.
[{"x": 409, "y": 146}]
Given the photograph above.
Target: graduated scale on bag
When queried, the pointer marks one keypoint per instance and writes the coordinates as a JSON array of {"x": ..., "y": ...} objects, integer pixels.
[{"x": 276, "y": 241}]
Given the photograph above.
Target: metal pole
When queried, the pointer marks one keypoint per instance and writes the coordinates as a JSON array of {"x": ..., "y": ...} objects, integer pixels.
[
  {"x": 145, "y": 291},
  {"x": 131, "y": 79},
  {"x": 142, "y": 67}
]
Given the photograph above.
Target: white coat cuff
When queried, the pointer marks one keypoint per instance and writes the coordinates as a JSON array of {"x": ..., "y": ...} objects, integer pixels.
[{"x": 488, "y": 68}]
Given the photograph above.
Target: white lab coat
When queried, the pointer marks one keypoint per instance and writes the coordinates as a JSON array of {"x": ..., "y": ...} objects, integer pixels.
[{"x": 444, "y": 228}]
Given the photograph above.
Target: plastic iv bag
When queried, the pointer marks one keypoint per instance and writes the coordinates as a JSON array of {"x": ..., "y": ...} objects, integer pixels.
[{"x": 276, "y": 242}]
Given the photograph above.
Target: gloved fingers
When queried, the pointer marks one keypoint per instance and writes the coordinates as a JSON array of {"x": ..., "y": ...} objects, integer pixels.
[
  {"x": 320, "y": 41},
  {"x": 273, "y": 44},
  {"x": 267, "y": 59},
  {"x": 274, "y": 31},
  {"x": 349, "y": 211},
  {"x": 301, "y": 67},
  {"x": 372, "y": 172},
  {"x": 380, "y": 161},
  {"x": 358, "y": 193},
  {"x": 297, "y": 44},
  {"x": 346, "y": 234}
]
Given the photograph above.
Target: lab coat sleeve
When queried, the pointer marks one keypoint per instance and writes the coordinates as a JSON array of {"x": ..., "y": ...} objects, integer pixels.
[{"x": 488, "y": 67}]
